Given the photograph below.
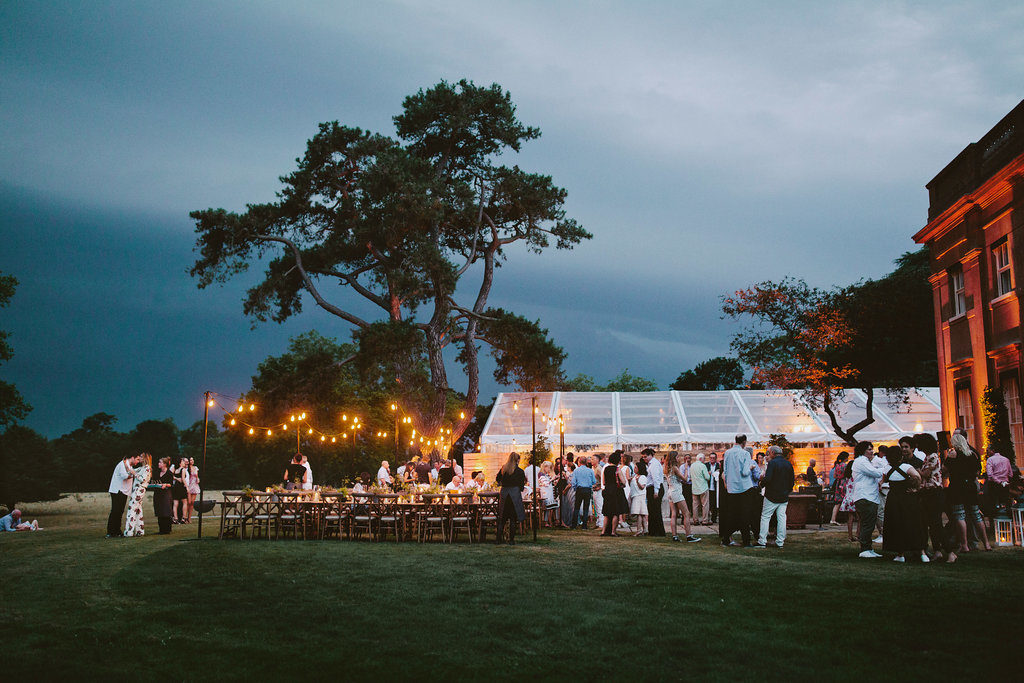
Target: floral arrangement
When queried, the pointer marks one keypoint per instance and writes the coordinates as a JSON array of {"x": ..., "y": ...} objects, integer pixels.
[{"x": 247, "y": 492}]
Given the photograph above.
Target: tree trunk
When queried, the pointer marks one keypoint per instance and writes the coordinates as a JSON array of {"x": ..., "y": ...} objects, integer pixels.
[{"x": 847, "y": 435}]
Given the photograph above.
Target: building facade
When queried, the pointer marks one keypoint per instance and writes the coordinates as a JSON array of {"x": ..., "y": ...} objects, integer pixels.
[{"x": 975, "y": 236}]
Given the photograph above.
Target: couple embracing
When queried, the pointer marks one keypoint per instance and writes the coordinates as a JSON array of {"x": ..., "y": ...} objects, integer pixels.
[{"x": 128, "y": 488}]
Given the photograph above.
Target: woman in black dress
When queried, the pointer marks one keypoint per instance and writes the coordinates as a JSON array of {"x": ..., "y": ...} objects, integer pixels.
[
  {"x": 162, "y": 496},
  {"x": 962, "y": 467},
  {"x": 615, "y": 504},
  {"x": 902, "y": 531},
  {"x": 179, "y": 491},
  {"x": 512, "y": 479}
]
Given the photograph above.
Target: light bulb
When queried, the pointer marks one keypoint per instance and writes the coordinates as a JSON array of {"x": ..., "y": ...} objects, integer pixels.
[
  {"x": 385, "y": 435},
  {"x": 292, "y": 418},
  {"x": 252, "y": 406},
  {"x": 394, "y": 407},
  {"x": 210, "y": 403},
  {"x": 344, "y": 417},
  {"x": 232, "y": 421},
  {"x": 302, "y": 417},
  {"x": 240, "y": 408},
  {"x": 310, "y": 431},
  {"x": 251, "y": 430},
  {"x": 355, "y": 419},
  {"x": 323, "y": 438},
  {"x": 462, "y": 416},
  {"x": 284, "y": 427},
  {"x": 333, "y": 439}
]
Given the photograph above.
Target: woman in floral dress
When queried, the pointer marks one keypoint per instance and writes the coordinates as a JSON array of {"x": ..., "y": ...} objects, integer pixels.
[
  {"x": 134, "y": 525},
  {"x": 846, "y": 504}
]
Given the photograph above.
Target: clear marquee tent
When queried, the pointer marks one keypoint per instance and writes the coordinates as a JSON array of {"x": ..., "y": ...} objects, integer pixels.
[{"x": 681, "y": 419}]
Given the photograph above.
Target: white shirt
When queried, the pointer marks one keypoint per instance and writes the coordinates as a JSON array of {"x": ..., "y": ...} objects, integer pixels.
[
  {"x": 529, "y": 470},
  {"x": 866, "y": 476},
  {"x": 655, "y": 474},
  {"x": 383, "y": 476},
  {"x": 883, "y": 466},
  {"x": 400, "y": 471},
  {"x": 458, "y": 468},
  {"x": 307, "y": 481},
  {"x": 450, "y": 486},
  {"x": 121, "y": 481}
]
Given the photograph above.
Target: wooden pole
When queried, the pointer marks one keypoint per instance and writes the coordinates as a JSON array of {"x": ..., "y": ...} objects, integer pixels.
[{"x": 206, "y": 422}]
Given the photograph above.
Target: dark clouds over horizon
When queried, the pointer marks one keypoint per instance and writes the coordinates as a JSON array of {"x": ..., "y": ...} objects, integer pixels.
[{"x": 705, "y": 146}]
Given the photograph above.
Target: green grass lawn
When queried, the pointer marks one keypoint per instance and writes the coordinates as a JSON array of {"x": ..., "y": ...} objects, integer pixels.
[{"x": 73, "y": 604}]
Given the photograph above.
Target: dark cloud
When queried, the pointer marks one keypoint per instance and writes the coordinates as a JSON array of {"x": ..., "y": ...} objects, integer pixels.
[{"x": 706, "y": 146}]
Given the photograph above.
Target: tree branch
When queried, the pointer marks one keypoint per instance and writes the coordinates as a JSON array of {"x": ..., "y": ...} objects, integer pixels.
[{"x": 308, "y": 283}]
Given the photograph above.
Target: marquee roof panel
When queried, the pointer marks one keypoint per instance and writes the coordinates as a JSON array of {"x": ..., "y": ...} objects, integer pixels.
[{"x": 603, "y": 419}]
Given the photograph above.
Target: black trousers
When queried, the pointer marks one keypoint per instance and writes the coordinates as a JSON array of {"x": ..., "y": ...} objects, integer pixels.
[
  {"x": 737, "y": 515},
  {"x": 713, "y": 504},
  {"x": 583, "y": 496},
  {"x": 117, "y": 502},
  {"x": 655, "y": 522},
  {"x": 508, "y": 514},
  {"x": 165, "y": 524},
  {"x": 932, "y": 504}
]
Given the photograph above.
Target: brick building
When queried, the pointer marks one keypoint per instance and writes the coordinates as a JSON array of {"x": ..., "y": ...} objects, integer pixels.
[{"x": 975, "y": 236}]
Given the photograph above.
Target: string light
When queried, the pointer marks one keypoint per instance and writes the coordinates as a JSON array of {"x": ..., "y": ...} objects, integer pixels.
[
  {"x": 284, "y": 427},
  {"x": 344, "y": 417},
  {"x": 462, "y": 416},
  {"x": 252, "y": 407},
  {"x": 293, "y": 418},
  {"x": 310, "y": 431},
  {"x": 323, "y": 438},
  {"x": 394, "y": 407},
  {"x": 251, "y": 430},
  {"x": 332, "y": 439},
  {"x": 232, "y": 421}
]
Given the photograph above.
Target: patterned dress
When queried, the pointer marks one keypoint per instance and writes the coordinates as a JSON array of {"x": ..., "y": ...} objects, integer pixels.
[{"x": 134, "y": 525}]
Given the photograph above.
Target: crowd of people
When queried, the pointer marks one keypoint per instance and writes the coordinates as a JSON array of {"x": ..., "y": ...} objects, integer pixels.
[
  {"x": 905, "y": 492},
  {"x": 175, "y": 488}
]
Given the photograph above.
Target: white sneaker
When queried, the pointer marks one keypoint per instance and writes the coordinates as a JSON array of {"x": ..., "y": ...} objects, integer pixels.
[
  {"x": 869, "y": 554},
  {"x": 874, "y": 554},
  {"x": 925, "y": 558},
  {"x": 899, "y": 558},
  {"x": 877, "y": 540}
]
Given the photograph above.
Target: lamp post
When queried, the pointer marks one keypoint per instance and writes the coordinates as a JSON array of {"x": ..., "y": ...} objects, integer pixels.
[
  {"x": 206, "y": 422},
  {"x": 533, "y": 462}
]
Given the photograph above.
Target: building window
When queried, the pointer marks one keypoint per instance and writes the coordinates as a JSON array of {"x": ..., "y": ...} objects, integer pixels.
[
  {"x": 965, "y": 412},
  {"x": 957, "y": 295},
  {"x": 1011, "y": 395},
  {"x": 1004, "y": 275}
]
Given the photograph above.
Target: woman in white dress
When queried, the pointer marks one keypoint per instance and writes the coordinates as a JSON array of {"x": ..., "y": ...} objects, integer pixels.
[
  {"x": 134, "y": 525},
  {"x": 638, "y": 497},
  {"x": 546, "y": 489}
]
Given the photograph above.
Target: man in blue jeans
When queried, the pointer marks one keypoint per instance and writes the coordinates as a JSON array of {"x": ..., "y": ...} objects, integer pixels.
[{"x": 583, "y": 481}]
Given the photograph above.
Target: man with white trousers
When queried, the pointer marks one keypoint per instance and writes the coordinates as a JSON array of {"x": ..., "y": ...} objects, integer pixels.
[{"x": 777, "y": 482}]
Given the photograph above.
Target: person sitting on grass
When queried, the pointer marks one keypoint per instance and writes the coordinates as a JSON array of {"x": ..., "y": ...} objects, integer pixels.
[{"x": 12, "y": 522}]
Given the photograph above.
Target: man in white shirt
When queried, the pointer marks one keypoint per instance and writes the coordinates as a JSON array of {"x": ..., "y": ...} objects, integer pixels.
[
  {"x": 866, "y": 476},
  {"x": 455, "y": 484},
  {"x": 384, "y": 474},
  {"x": 530, "y": 471},
  {"x": 307, "y": 481},
  {"x": 120, "y": 487},
  {"x": 655, "y": 492}
]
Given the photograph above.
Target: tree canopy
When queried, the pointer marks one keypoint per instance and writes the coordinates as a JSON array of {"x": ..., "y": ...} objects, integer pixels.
[
  {"x": 714, "y": 374},
  {"x": 399, "y": 224},
  {"x": 623, "y": 382},
  {"x": 873, "y": 334},
  {"x": 12, "y": 405}
]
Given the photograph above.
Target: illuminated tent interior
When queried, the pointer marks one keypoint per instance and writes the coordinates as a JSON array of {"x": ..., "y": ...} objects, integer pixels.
[{"x": 664, "y": 420}]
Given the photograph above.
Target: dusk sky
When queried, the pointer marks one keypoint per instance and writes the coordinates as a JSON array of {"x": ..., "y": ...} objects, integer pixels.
[{"x": 707, "y": 146}]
